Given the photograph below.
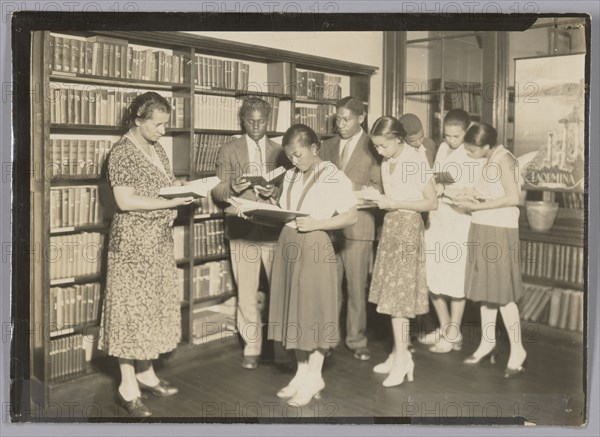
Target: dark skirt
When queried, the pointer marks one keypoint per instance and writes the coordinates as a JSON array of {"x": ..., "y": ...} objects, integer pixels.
[
  {"x": 399, "y": 284},
  {"x": 493, "y": 272},
  {"x": 303, "y": 308}
]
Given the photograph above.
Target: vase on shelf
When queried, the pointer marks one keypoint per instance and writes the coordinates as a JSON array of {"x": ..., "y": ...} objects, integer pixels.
[{"x": 541, "y": 215}]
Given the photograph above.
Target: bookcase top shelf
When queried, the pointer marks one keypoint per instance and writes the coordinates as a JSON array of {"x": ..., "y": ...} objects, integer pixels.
[
  {"x": 238, "y": 93},
  {"x": 238, "y": 50},
  {"x": 123, "y": 82}
]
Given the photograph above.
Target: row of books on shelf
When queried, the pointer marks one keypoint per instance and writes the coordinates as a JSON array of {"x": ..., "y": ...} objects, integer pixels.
[
  {"x": 210, "y": 279},
  {"x": 74, "y": 206},
  {"x": 570, "y": 200},
  {"x": 315, "y": 85},
  {"x": 216, "y": 112},
  {"x": 209, "y": 239},
  {"x": 207, "y": 206},
  {"x": 556, "y": 307},
  {"x": 74, "y": 255},
  {"x": 75, "y": 305},
  {"x": 67, "y": 356},
  {"x": 114, "y": 58},
  {"x": 216, "y": 322},
  {"x": 213, "y": 73},
  {"x": 77, "y": 158},
  {"x": 206, "y": 147},
  {"x": 104, "y": 106},
  {"x": 319, "y": 118},
  {"x": 558, "y": 262}
]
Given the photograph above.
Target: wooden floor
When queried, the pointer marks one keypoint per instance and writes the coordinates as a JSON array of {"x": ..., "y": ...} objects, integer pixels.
[{"x": 214, "y": 388}]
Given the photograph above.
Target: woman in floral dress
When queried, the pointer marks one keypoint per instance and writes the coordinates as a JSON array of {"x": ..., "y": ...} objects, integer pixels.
[
  {"x": 399, "y": 285},
  {"x": 141, "y": 312}
]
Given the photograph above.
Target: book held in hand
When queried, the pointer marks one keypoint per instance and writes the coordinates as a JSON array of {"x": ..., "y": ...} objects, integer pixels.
[
  {"x": 265, "y": 180},
  {"x": 195, "y": 188},
  {"x": 265, "y": 211},
  {"x": 368, "y": 198}
]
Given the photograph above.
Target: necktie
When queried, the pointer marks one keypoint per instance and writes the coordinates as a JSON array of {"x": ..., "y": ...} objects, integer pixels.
[
  {"x": 345, "y": 155},
  {"x": 258, "y": 159}
]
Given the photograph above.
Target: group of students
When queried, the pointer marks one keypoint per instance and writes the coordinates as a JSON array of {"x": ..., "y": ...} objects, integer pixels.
[{"x": 307, "y": 259}]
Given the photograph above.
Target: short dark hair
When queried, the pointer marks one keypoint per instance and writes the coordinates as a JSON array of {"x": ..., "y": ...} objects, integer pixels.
[
  {"x": 301, "y": 133},
  {"x": 144, "y": 105},
  {"x": 253, "y": 103},
  {"x": 458, "y": 117},
  {"x": 388, "y": 127},
  {"x": 353, "y": 104},
  {"x": 481, "y": 135}
]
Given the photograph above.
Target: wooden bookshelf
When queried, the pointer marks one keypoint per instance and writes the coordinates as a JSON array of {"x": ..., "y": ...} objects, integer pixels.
[
  {"x": 180, "y": 84},
  {"x": 555, "y": 260}
]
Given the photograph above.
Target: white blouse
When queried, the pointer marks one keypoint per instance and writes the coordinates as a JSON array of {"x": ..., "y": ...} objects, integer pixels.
[
  {"x": 331, "y": 192},
  {"x": 409, "y": 177},
  {"x": 489, "y": 186}
]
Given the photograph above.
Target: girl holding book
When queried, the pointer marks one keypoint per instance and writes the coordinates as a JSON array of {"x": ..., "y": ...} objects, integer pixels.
[
  {"x": 446, "y": 236},
  {"x": 493, "y": 274},
  {"x": 303, "y": 311},
  {"x": 141, "y": 315},
  {"x": 399, "y": 284}
]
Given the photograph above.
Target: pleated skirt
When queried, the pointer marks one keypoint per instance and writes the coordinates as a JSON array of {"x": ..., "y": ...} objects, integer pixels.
[
  {"x": 303, "y": 308},
  {"x": 493, "y": 271}
]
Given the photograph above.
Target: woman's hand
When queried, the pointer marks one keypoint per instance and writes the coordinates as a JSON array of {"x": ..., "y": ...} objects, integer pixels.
[
  {"x": 386, "y": 203},
  {"x": 180, "y": 201},
  {"x": 265, "y": 192},
  {"x": 439, "y": 189},
  {"x": 307, "y": 224},
  {"x": 467, "y": 204}
]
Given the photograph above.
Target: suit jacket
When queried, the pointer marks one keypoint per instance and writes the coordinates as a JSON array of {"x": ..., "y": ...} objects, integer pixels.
[
  {"x": 232, "y": 162},
  {"x": 363, "y": 168}
]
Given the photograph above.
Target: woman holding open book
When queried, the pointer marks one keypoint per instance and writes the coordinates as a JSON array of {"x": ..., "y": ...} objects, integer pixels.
[
  {"x": 303, "y": 312},
  {"x": 493, "y": 274},
  {"x": 399, "y": 285},
  {"x": 141, "y": 313}
]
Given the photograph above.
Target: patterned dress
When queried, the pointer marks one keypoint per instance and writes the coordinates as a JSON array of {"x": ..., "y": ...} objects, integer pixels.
[
  {"x": 399, "y": 284},
  {"x": 141, "y": 312}
]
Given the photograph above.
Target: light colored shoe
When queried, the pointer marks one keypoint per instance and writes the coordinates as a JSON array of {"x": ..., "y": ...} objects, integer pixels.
[
  {"x": 290, "y": 390},
  {"x": 385, "y": 367},
  {"x": 431, "y": 338},
  {"x": 307, "y": 391},
  {"x": 398, "y": 372},
  {"x": 443, "y": 346}
]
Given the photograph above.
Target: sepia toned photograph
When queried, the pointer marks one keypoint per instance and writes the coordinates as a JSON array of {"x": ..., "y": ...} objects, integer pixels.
[{"x": 254, "y": 219}]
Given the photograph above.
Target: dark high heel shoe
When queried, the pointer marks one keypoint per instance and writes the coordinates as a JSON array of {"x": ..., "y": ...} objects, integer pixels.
[
  {"x": 135, "y": 408},
  {"x": 163, "y": 389},
  {"x": 491, "y": 355}
]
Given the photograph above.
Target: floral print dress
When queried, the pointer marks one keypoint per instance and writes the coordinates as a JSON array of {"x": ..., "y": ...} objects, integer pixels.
[{"x": 141, "y": 311}]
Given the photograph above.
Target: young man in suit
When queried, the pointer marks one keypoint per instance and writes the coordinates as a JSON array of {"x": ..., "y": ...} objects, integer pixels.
[
  {"x": 352, "y": 152},
  {"x": 251, "y": 245}
]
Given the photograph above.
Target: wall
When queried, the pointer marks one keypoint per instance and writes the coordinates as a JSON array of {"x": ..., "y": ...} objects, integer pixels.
[{"x": 359, "y": 47}]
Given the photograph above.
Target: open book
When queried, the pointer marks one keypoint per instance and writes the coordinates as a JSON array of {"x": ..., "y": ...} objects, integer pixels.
[
  {"x": 269, "y": 178},
  {"x": 195, "y": 188},
  {"x": 367, "y": 198},
  {"x": 453, "y": 198},
  {"x": 265, "y": 211}
]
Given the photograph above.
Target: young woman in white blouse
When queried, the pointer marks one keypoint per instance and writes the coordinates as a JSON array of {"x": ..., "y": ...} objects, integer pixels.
[
  {"x": 493, "y": 273},
  {"x": 399, "y": 285},
  {"x": 303, "y": 309}
]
